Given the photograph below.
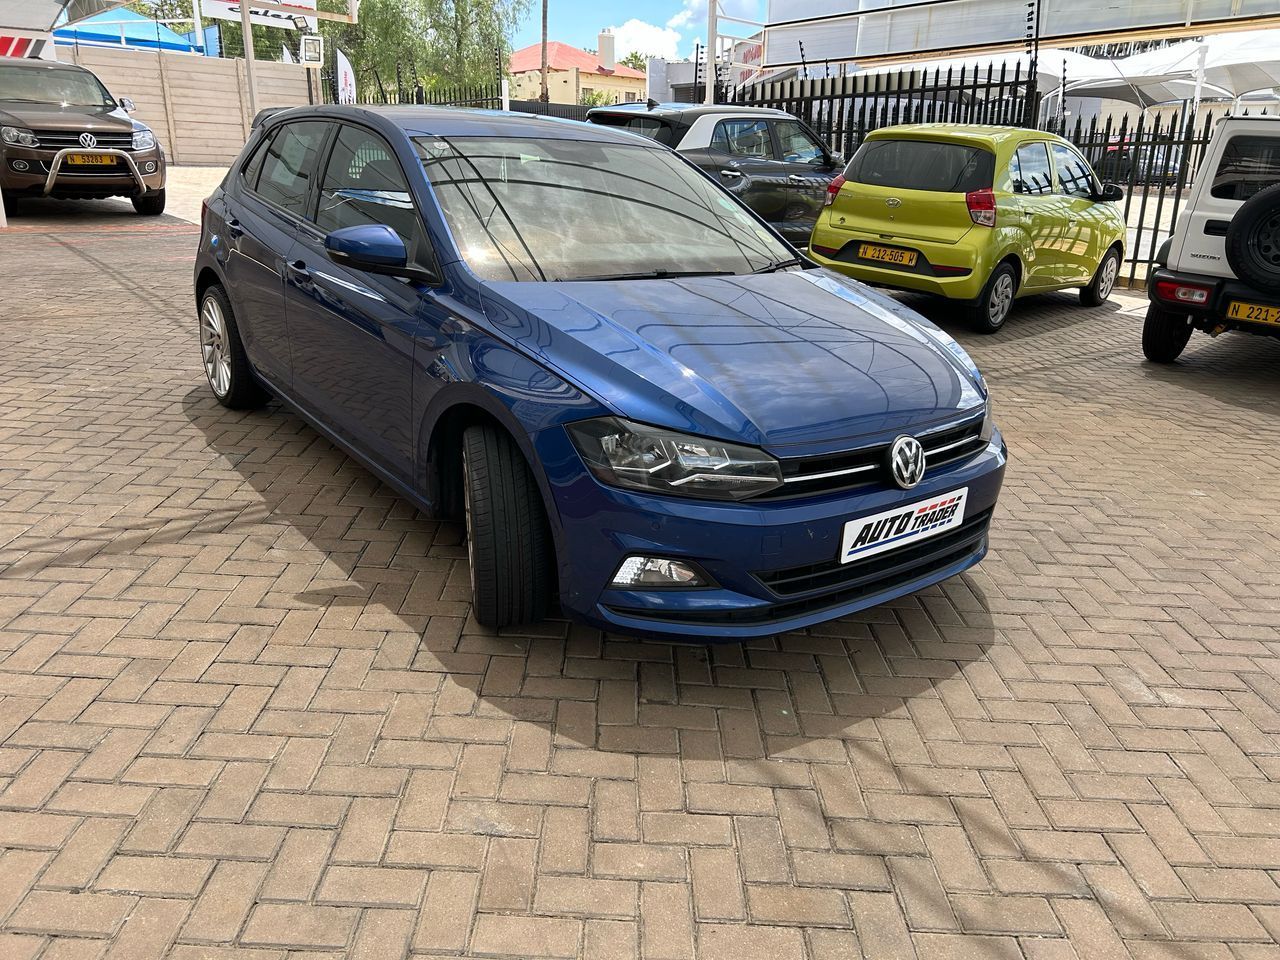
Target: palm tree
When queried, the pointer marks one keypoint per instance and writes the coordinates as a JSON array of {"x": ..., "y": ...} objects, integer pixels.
[{"x": 545, "y": 96}]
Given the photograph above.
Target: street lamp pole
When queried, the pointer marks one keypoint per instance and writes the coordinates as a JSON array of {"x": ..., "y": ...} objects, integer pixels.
[
  {"x": 246, "y": 25},
  {"x": 713, "y": 28}
]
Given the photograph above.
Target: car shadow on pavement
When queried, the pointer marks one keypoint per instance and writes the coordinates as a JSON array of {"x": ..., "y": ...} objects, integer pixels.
[
  {"x": 1239, "y": 369},
  {"x": 1030, "y": 317},
  {"x": 354, "y": 565}
]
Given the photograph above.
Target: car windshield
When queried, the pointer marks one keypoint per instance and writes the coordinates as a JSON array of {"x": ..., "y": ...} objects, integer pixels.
[
  {"x": 70, "y": 88},
  {"x": 544, "y": 209}
]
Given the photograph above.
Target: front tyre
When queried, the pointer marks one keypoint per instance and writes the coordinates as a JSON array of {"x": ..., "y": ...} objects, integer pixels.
[
  {"x": 508, "y": 543},
  {"x": 988, "y": 313},
  {"x": 1164, "y": 335},
  {"x": 150, "y": 204},
  {"x": 226, "y": 366},
  {"x": 1099, "y": 289}
]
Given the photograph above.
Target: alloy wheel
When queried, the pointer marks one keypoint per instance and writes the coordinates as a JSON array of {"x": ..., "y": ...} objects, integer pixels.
[
  {"x": 466, "y": 519},
  {"x": 214, "y": 348}
]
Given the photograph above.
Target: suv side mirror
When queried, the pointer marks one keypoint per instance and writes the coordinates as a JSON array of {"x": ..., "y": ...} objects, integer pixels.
[
  {"x": 129, "y": 105},
  {"x": 374, "y": 248},
  {"x": 1111, "y": 193}
]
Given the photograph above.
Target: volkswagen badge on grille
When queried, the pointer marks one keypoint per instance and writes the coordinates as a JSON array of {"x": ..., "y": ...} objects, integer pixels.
[
  {"x": 906, "y": 462},
  {"x": 88, "y": 141}
]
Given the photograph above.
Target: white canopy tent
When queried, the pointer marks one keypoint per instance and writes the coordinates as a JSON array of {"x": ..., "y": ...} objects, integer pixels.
[{"x": 1228, "y": 65}]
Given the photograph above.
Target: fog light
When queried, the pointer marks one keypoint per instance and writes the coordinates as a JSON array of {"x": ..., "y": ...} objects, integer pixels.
[
  {"x": 149, "y": 166},
  {"x": 21, "y": 166},
  {"x": 657, "y": 572}
]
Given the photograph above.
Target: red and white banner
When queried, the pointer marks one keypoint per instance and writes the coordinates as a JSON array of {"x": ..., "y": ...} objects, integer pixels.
[
  {"x": 19, "y": 46},
  {"x": 346, "y": 78}
]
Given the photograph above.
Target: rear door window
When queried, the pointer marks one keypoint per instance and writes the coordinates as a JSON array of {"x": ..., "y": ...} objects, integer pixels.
[
  {"x": 1248, "y": 164},
  {"x": 1035, "y": 176},
  {"x": 744, "y": 138},
  {"x": 289, "y": 167},
  {"x": 922, "y": 165}
]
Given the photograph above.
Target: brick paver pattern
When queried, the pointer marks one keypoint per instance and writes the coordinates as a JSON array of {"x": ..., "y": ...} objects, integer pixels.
[{"x": 244, "y": 711}]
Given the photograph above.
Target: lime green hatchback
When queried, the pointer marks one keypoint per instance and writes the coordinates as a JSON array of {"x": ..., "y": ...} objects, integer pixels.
[{"x": 978, "y": 214}]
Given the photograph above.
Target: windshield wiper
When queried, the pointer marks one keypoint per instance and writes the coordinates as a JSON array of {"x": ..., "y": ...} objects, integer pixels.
[
  {"x": 775, "y": 267},
  {"x": 651, "y": 275}
]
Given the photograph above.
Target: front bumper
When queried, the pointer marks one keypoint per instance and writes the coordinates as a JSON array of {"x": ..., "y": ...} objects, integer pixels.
[
  {"x": 774, "y": 564},
  {"x": 957, "y": 271},
  {"x": 133, "y": 173},
  {"x": 1213, "y": 315}
]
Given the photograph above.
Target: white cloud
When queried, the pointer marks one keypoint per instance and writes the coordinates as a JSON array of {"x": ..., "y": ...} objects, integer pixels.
[
  {"x": 691, "y": 20},
  {"x": 647, "y": 38}
]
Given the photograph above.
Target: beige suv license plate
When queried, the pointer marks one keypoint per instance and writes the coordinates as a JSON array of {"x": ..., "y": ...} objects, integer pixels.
[
  {"x": 901, "y": 258},
  {"x": 1253, "y": 312},
  {"x": 90, "y": 160}
]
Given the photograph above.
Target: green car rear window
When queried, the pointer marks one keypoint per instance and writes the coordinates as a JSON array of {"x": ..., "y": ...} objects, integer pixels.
[{"x": 922, "y": 165}]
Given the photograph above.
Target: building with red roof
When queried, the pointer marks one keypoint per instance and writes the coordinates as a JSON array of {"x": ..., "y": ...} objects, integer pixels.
[{"x": 574, "y": 74}]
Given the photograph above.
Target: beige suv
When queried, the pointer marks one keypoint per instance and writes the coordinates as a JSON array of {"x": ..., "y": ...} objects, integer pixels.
[{"x": 63, "y": 135}]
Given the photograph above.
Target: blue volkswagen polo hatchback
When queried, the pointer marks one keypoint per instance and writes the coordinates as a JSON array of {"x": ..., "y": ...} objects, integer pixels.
[{"x": 644, "y": 403}]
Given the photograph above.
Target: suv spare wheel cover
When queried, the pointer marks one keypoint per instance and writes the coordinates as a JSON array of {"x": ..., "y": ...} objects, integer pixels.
[{"x": 1253, "y": 240}]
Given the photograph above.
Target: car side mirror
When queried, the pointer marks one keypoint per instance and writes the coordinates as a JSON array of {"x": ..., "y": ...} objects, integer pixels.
[
  {"x": 129, "y": 105},
  {"x": 1111, "y": 193},
  {"x": 374, "y": 248}
]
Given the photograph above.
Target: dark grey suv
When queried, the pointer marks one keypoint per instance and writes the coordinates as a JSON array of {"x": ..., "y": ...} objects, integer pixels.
[{"x": 774, "y": 162}]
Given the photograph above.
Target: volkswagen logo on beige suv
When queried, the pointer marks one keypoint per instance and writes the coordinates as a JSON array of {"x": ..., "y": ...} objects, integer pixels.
[{"x": 88, "y": 140}]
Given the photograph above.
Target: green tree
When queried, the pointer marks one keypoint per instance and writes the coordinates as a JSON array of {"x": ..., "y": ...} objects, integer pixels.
[
  {"x": 635, "y": 60},
  {"x": 596, "y": 98}
]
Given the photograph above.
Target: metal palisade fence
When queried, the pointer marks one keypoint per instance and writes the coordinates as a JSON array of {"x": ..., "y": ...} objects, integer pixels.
[{"x": 1154, "y": 157}]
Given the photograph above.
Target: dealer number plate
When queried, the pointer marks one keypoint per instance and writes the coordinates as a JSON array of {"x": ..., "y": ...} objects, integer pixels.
[
  {"x": 90, "y": 160},
  {"x": 1253, "y": 312},
  {"x": 902, "y": 526},
  {"x": 902, "y": 258}
]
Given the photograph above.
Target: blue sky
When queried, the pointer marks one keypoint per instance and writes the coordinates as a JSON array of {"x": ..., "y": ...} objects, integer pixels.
[{"x": 658, "y": 27}]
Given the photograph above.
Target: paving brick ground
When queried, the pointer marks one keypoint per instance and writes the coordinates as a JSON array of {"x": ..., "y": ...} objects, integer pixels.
[{"x": 244, "y": 713}]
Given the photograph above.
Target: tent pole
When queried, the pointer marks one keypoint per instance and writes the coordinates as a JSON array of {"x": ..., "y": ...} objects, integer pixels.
[
  {"x": 1195, "y": 104},
  {"x": 246, "y": 27},
  {"x": 199, "y": 26}
]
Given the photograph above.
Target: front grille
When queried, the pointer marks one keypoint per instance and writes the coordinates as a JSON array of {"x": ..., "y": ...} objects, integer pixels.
[
  {"x": 61, "y": 139},
  {"x": 833, "y": 573},
  {"x": 806, "y": 476},
  {"x": 854, "y": 581}
]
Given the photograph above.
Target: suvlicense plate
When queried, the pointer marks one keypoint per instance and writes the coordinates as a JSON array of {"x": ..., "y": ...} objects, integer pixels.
[
  {"x": 902, "y": 258},
  {"x": 902, "y": 526},
  {"x": 1253, "y": 312},
  {"x": 90, "y": 160}
]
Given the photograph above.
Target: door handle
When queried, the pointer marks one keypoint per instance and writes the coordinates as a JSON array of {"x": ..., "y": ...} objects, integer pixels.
[
  {"x": 797, "y": 177},
  {"x": 234, "y": 230},
  {"x": 298, "y": 270},
  {"x": 730, "y": 173}
]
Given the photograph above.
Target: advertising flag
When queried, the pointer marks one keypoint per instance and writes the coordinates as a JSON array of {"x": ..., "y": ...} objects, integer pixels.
[{"x": 346, "y": 78}]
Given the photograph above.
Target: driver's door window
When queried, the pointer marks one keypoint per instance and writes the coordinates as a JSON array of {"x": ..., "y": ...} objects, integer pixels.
[{"x": 796, "y": 144}]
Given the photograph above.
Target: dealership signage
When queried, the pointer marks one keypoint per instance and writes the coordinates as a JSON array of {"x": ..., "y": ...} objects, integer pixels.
[{"x": 258, "y": 16}]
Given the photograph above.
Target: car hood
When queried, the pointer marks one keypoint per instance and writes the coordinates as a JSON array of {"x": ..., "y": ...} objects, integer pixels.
[
  {"x": 803, "y": 357},
  {"x": 49, "y": 116}
]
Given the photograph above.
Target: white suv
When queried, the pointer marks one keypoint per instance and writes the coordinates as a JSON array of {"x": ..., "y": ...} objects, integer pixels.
[{"x": 1221, "y": 268}]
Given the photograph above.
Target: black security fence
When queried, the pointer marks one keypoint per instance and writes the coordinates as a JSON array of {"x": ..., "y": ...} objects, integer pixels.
[
  {"x": 845, "y": 109},
  {"x": 567, "y": 111},
  {"x": 1154, "y": 155},
  {"x": 399, "y": 90}
]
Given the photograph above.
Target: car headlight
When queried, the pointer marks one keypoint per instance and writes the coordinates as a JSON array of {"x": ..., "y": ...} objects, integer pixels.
[
  {"x": 988, "y": 425},
  {"x": 143, "y": 139},
  {"x": 20, "y": 136},
  {"x": 625, "y": 454}
]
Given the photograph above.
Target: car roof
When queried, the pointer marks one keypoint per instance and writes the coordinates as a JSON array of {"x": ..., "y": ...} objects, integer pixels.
[
  {"x": 686, "y": 110},
  {"x": 32, "y": 63},
  {"x": 983, "y": 134},
  {"x": 459, "y": 122}
]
